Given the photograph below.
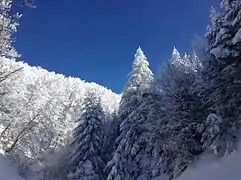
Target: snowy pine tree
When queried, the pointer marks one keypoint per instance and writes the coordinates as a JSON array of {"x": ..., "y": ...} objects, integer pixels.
[
  {"x": 86, "y": 147},
  {"x": 224, "y": 31},
  {"x": 134, "y": 157},
  {"x": 84, "y": 171},
  {"x": 182, "y": 114},
  {"x": 140, "y": 76},
  {"x": 219, "y": 86},
  {"x": 187, "y": 63},
  {"x": 111, "y": 127},
  {"x": 140, "y": 79}
]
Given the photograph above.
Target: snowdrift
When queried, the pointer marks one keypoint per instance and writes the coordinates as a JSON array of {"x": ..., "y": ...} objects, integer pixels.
[
  {"x": 209, "y": 167},
  {"x": 7, "y": 169}
]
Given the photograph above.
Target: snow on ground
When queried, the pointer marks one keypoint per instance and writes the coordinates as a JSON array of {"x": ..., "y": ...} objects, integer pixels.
[
  {"x": 7, "y": 170},
  {"x": 211, "y": 168}
]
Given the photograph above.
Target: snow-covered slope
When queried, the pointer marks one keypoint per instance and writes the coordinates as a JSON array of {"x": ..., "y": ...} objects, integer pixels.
[
  {"x": 35, "y": 74},
  {"x": 211, "y": 168},
  {"x": 7, "y": 169}
]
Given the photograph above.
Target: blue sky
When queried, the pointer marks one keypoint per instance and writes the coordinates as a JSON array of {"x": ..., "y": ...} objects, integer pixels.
[{"x": 96, "y": 39}]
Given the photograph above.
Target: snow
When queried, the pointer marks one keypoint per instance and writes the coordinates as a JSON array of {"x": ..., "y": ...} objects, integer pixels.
[
  {"x": 1, "y": 129},
  {"x": 237, "y": 37},
  {"x": 220, "y": 52},
  {"x": 209, "y": 167},
  {"x": 222, "y": 36},
  {"x": 7, "y": 170}
]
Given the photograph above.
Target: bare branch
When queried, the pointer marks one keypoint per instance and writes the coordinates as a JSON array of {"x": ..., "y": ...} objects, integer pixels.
[
  {"x": 25, "y": 3},
  {"x": 9, "y": 74},
  {"x": 23, "y": 132}
]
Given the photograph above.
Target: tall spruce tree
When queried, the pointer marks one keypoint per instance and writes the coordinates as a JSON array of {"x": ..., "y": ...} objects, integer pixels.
[
  {"x": 140, "y": 79},
  {"x": 85, "y": 156},
  {"x": 224, "y": 31},
  {"x": 220, "y": 87},
  {"x": 134, "y": 157},
  {"x": 179, "y": 138}
]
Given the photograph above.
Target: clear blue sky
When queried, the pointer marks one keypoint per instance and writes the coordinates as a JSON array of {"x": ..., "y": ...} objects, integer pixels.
[{"x": 96, "y": 39}]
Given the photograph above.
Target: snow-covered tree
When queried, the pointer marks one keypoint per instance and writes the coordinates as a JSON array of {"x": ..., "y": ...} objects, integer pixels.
[
  {"x": 224, "y": 31},
  {"x": 133, "y": 158},
  {"x": 140, "y": 79},
  {"x": 8, "y": 26},
  {"x": 188, "y": 63},
  {"x": 219, "y": 85},
  {"x": 218, "y": 90},
  {"x": 38, "y": 110},
  {"x": 211, "y": 130},
  {"x": 140, "y": 76},
  {"x": 88, "y": 136},
  {"x": 110, "y": 127},
  {"x": 181, "y": 113},
  {"x": 84, "y": 171}
]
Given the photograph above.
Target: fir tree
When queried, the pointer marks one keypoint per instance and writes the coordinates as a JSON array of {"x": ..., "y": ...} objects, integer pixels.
[
  {"x": 219, "y": 86},
  {"x": 224, "y": 31},
  {"x": 139, "y": 81},
  {"x": 182, "y": 114},
  {"x": 140, "y": 78},
  {"x": 111, "y": 127},
  {"x": 134, "y": 157},
  {"x": 87, "y": 143}
]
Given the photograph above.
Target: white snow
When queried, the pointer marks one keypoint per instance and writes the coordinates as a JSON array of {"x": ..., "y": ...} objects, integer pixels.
[
  {"x": 7, "y": 170},
  {"x": 237, "y": 37},
  {"x": 222, "y": 36},
  {"x": 211, "y": 168},
  {"x": 1, "y": 130},
  {"x": 220, "y": 52}
]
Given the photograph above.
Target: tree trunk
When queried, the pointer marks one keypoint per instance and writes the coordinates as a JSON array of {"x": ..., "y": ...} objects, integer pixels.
[{"x": 22, "y": 133}]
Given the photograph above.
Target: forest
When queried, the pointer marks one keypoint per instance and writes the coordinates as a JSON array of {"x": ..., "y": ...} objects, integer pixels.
[{"x": 55, "y": 127}]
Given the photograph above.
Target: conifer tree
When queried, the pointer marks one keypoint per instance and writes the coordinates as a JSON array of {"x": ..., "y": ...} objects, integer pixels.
[
  {"x": 180, "y": 139},
  {"x": 224, "y": 32},
  {"x": 86, "y": 147},
  {"x": 220, "y": 85},
  {"x": 134, "y": 157},
  {"x": 140, "y": 78}
]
